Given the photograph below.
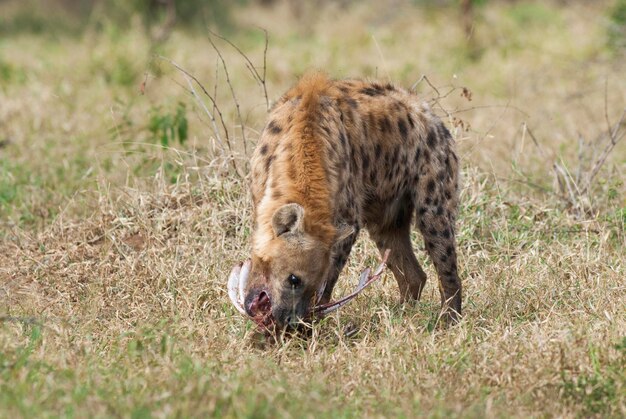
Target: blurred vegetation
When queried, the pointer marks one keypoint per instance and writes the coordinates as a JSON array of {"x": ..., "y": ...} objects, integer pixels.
[
  {"x": 167, "y": 127},
  {"x": 74, "y": 16},
  {"x": 617, "y": 25}
]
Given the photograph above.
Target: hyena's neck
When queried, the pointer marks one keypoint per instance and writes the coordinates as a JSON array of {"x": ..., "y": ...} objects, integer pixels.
[{"x": 297, "y": 173}]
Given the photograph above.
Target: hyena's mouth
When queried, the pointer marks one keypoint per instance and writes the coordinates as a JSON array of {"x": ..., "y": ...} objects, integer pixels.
[
  {"x": 263, "y": 317},
  {"x": 237, "y": 282}
]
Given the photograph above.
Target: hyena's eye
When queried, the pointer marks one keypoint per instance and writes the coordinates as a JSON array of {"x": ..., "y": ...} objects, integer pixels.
[{"x": 294, "y": 281}]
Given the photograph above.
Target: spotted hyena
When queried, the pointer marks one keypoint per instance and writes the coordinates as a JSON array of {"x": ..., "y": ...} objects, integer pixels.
[{"x": 337, "y": 156}]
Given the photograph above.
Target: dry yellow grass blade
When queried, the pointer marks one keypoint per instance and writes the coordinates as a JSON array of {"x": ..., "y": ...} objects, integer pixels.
[{"x": 116, "y": 237}]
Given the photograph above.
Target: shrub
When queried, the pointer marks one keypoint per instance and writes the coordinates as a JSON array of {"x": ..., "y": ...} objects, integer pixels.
[{"x": 617, "y": 26}]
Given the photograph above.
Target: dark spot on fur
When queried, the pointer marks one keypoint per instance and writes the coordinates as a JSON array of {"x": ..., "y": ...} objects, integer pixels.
[
  {"x": 276, "y": 194},
  {"x": 410, "y": 119},
  {"x": 432, "y": 232},
  {"x": 268, "y": 163},
  {"x": 402, "y": 127},
  {"x": 431, "y": 140},
  {"x": 366, "y": 161},
  {"x": 449, "y": 250},
  {"x": 439, "y": 210},
  {"x": 422, "y": 210},
  {"x": 377, "y": 150},
  {"x": 342, "y": 137},
  {"x": 371, "y": 91},
  {"x": 274, "y": 128},
  {"x": 428, "y": 201},
  {"x": 353, "y": 103},
  {"x": 385, "y": 125},
  {"x": 431, "y": 186},
  {"x": 263, "y": 150},
  {"x": 443, "y": 132}
]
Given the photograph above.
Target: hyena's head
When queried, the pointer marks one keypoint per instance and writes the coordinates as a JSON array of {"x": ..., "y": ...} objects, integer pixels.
[{"x": 289, "y": 272}]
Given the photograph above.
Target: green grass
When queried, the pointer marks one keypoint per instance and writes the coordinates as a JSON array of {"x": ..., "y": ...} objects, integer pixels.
[{"x": 121, "y": 215}]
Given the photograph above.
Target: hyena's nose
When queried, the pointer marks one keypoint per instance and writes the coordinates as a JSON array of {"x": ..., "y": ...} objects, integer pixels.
[{"x": 258, "y": 303}]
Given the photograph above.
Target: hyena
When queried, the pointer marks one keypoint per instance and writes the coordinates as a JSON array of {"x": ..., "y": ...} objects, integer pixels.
[{"x": 337, "y": 156}]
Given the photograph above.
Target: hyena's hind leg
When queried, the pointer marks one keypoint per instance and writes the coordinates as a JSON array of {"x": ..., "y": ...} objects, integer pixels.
[{"x": 437, "y": 203}]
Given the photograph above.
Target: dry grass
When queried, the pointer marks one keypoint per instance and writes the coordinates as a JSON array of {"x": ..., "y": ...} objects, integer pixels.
[{"x": 115, "y": 251}]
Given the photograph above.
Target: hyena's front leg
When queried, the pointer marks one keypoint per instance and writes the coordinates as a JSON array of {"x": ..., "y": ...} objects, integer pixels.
[{"x": 340, "y": 253}]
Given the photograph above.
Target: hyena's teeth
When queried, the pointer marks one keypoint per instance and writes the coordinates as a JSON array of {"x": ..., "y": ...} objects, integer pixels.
[
  {"x": 243, "y": 280},
  {"x": 233, "y": 288}
]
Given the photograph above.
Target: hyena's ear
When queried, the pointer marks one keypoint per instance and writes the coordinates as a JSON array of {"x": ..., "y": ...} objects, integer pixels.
[
  {"x": 343, "y": 232},
  {"x": 288, "y": 219}
]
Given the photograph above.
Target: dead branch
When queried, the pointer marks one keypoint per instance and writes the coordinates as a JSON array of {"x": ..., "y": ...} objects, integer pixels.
[
  {"x": 425, "y": 78},
  {"x": 615, "y": 135},
  {"x": 191, "y": 79},
  {"x": 233, "y": 95},
  {"x": 258, "y": 77},
  {"x": 571, "y": 188}
]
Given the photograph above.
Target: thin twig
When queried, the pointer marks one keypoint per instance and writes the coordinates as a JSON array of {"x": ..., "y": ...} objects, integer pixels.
[
  {"x": 615, "y": 136},
  {"x": 532, "y": 137},
  {"x": 515, "y": 108},
  {"x": 233, "y": 95},
  {"x": 261, "y": 79},
  {"x": 189, "y": 78},
  {"x": 425, "y": 78}
]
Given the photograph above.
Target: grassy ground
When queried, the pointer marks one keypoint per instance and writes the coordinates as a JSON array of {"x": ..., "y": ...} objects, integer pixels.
[{"x": 114, "y": 249}]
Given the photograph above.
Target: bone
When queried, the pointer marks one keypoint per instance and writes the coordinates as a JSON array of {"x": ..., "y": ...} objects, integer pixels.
[
  {"x": 365, "y": 280},
  {"x": 383, "y": 263},
  {"x": 243, "y": 280},
  {"x": 233, "y": 288},
  {"x": 238, "y": 280}
]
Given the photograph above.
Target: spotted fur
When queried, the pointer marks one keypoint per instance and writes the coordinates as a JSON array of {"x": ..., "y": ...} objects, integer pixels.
[{"x": 351, "y": 154}]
